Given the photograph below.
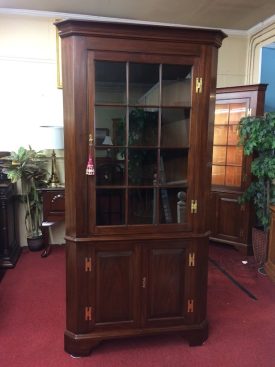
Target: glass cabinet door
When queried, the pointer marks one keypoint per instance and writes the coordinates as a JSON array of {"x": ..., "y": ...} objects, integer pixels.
[
  {"x": 142, "y": 124},
  {"x": 227, "y": 155}
]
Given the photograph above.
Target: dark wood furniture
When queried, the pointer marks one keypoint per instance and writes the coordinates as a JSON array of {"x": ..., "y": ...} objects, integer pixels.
[
  {"x": 9, "y": 245},
  {"x": 53, "y": 212},
  {"x": 142, "y": 270},
  {"x": 230, "y": 221}
]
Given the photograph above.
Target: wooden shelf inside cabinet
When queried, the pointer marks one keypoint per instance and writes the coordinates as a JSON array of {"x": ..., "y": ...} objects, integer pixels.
[{"x": 137, "y": 230}]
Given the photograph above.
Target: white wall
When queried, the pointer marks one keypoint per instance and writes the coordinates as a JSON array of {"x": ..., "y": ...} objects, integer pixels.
[
  {"x": 28, "y": 89},
  {"x": 28, "y": 93},
  {"x": 232, "y": 61}
]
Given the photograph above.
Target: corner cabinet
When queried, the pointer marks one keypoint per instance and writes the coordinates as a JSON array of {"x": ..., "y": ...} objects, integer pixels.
[
  {"x": 231, "y": 175},
  {"x": 139, "y": 102}
]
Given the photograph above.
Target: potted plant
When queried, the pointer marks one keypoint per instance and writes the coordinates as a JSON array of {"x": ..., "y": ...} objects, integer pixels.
[
  {"x": 29, "y": 167},
  {"x": 257, "y": 136}
]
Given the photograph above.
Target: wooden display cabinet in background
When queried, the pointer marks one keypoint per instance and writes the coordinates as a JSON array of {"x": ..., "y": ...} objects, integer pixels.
[{"x": 230, "y": 221}]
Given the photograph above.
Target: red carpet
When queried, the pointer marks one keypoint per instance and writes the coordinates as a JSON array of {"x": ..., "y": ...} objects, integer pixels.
[{"x": 32, "y": 314}]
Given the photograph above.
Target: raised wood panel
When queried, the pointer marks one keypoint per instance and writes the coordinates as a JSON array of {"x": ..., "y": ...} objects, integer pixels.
[
  {"x": 115, "y": 287},
  {"x": 165, "y": 283},
  {"x": 225, "y": 227}
]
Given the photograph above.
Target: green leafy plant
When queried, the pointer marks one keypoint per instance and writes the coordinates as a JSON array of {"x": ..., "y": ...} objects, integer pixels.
[
  {"x": 28, "y": 167},
  {"x": 257, "y": 136}
]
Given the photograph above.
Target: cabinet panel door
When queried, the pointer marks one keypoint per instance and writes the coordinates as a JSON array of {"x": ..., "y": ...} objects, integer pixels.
[
  {"x": 116, "y": 286},
  {"x": 165, "y": 285},
  {"x": 231, "y": 218}
]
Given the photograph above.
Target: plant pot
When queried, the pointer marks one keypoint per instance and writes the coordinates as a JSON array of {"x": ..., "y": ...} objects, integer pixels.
[
  {"x": 35, "y": 243},
  {"x": 259, "y": 243}
]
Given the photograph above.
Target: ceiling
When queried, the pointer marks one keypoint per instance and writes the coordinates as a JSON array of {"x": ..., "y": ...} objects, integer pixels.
[{"x": 225, "y": 14}]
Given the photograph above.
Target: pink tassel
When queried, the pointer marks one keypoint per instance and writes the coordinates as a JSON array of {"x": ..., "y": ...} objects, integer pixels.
[{"x": 90, "y": 169}]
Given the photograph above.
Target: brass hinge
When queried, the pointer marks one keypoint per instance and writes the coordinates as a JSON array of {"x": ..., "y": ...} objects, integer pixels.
[
  {"x": 88, "y": 264},
  {"x": 192, "y": 259},
  {"x": 88, "y": 313},
  {"x": 190, "y": 305},
  {"x": 198, "y": 85},
  {"x": 194, "y": 206},
  {"x": 249, "y": 112}
]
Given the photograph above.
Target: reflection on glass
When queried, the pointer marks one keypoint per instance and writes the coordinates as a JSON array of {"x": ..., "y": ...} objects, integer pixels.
[
  {"x": 233, "y": 176},
  {"x": 219, "y": 155},
  {"x": 142, "y": 166},
  {"x": 173, "y": 205},
  {"x": 175, "y": 127},
  {"x": 173, "y": 166},
  {"x": 237, "y": 111},
  {"x": 110, "y": 82},
  {"x": 140, "y": 206},
  {"x": 222, "y": 114},
  {"x": 234, "y": 156},
  {"x": 220, "y": 135},
  {"x": 176, "y": 85},
  {"x": 144, "y": 84},
  {"x": 143, "y": 127},
  {"x": 110, "y": 121},
  {"x": 218, "y": 175},
  {"x": 233, "y": 136},
  {"x": 109, "y": 172},
  {"x": 110, "y": 208}
]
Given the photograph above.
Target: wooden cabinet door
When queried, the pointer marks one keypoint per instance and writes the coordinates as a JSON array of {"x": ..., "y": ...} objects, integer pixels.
[
  {"x": 116, "y": 288},
  {"x": 231, "y": 219},
  {"x": 163, "y": 285}
]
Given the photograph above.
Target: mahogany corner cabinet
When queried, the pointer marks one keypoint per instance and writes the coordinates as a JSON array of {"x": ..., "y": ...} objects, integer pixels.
[{"x": 138, "y": 123}]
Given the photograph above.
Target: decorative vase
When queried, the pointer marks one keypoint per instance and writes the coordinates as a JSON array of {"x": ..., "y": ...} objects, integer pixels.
[{"x": 35, "y": 243}]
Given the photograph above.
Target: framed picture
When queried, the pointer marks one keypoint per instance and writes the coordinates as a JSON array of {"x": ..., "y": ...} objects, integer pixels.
[{"x": 100, "y": 134}]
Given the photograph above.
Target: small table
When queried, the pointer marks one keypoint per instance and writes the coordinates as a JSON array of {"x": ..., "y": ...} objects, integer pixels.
[{"x": 53, "y": 212}]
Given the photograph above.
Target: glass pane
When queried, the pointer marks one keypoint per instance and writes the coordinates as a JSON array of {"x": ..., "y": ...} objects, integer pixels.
[
  {"x": 176, "y": 85},
  {"x": 219, "y": 155},
  {"x": 233, "y": 137},
  {"x": 175, "y": 127},
  {"x": 172, "y": 205},
  {"x": 218, "y": 175},
  {"x": 144, "y": 84},
  {"x": 234, "y": 155},
  {"x": 220, "y": 135},
  {"x": 142, "y": 166},
  {"x": 143, "y": 127},
  {"x": 110, "y": 208},
  {"x": 110, "y": 82},
  {"x": 237, "y": 111},
  {"x": 221, "y": 114},
  {"x": 109, "y": 172},
  {"x": 173, "y": 166},
  {"x": 110, "y": 126},
  {"x": 141, "y": 204},
  {"x": 233, "y": 176}
]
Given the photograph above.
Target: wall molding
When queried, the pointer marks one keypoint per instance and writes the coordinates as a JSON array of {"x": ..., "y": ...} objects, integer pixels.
[
  {"x": 27, "y": 60},
  {"x": 258, "y": 40}
]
